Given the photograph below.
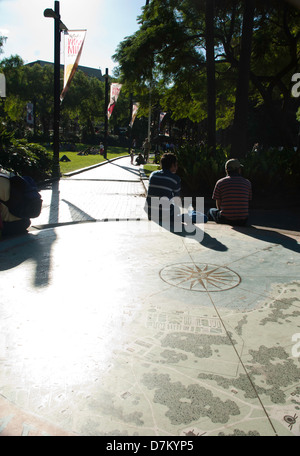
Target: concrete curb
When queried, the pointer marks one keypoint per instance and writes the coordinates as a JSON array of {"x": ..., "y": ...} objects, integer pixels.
[
  {"x": 78, "y": 171},
  {"x": 144, "y": 178}
]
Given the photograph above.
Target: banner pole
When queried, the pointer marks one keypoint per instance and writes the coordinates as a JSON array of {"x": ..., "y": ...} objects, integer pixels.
[
  {"x": 56, "y": 168},
  {"x": 105, "y": 114},
  {"x": 130, "y": 117}
]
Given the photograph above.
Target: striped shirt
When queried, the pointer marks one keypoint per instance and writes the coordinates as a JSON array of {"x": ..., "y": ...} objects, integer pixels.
[
  {"x": 164, "y": 183},
  {"x": 234, "y": 192},
  {"x": 163, "y": 187}
]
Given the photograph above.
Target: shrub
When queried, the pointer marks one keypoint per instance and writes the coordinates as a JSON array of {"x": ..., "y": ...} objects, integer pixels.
[
  {"x": 21, "y": 157},
  {"x": 274, "y": 171},
  {"x": 199, "y": 167},
  {"x": 271, "y": 171}
]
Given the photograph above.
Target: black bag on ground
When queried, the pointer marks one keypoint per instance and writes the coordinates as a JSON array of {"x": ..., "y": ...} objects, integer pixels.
[{"x": 25, "y": 200}]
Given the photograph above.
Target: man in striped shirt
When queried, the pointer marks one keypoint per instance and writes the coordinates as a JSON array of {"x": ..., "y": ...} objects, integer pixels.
[
  {"x": 232, "y": 194},
  {"x": 164, "y": 188}
]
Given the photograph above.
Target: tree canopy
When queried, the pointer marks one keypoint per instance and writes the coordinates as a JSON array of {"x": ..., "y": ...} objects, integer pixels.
[
  {"x": 256, "y": 51},
  {"x": 82, "y": 106}
]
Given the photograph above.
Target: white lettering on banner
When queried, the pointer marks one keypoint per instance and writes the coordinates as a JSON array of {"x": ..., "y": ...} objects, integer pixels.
[{"x": 73, "y": 43}]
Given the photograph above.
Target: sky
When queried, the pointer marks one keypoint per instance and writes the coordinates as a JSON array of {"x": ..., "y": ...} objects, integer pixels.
[{"x": 31, "y": 35}]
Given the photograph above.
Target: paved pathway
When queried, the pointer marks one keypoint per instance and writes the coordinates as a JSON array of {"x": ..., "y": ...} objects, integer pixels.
[
  {"x": 112, "y": 326},
  {"x": 109, "y": 191}
]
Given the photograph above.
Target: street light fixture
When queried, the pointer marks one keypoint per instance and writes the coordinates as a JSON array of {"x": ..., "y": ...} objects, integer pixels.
[
  {"x": 50, "y": 13},
  {"x": 58, "y": 27}
]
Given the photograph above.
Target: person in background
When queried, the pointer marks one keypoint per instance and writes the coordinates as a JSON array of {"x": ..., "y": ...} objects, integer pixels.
[
  {"x": 131, "y": 156},
  {"x": 101, "y": 148},
  {"x": 146, "y": 149}
]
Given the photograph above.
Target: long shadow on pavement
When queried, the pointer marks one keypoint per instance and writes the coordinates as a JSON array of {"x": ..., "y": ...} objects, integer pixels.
[
  {"x": 194, "y": 232},
  {"x": 136, "y": 172},
  {"x": 204, "y": 239},
  {"x": 271, "y": 236},
  {"x": 37, "y": 247},
  {"x": 15, "y": 250}
]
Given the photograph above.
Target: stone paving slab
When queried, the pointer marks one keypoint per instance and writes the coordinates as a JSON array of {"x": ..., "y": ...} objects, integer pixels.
[{"x": 122, "y": 328}]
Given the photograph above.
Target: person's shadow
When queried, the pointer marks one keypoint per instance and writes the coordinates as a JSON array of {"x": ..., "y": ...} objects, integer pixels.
[
  {"x": 188, "y": 230},
  {"x": 271, "y": 236},
  {"x": 15, "y": 250},
  {"x": 194, "y": 232}
]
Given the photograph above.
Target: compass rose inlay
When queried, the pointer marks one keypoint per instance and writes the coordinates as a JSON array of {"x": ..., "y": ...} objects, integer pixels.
[{"x": 200, "y": 277}]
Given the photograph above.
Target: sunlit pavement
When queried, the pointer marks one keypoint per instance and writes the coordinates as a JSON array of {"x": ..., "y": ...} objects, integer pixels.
[{"x": 113, "y": 326}]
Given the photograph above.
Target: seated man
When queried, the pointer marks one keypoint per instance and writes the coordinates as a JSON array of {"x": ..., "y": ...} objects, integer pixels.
[
  {"x": 10, "y": 224},
  {"x": 163, "y": 198},
  {"x": 232, "y": 194}
]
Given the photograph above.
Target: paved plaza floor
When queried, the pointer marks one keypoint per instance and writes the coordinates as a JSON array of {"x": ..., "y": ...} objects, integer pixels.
[{"x": 113, "y": 326}]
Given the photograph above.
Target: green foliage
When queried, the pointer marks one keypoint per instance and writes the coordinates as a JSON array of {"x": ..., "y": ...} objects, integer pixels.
[
  {"x": 84, "y": 103},
  {"x": 82, "y": 109},
  {"x": 83, "y": 161},
  {"x": 148, "y": 169},
  {"x": 274, "y": 171},
  {"x": 169, "y": 50},
  {"x": 27, "y": 84},
  {"x": 2, "y": 41},
  {"x": 24, "y": 158},
  {"x": 5, "y": 137},
  {"x": 200, "y": 167}
]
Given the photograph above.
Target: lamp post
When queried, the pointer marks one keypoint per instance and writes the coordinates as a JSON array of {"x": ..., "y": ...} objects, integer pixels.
[
  {"x": 105, "y": 114},
  {"x": 149, "y": 114},
  {"x": 58, "y": 27}
]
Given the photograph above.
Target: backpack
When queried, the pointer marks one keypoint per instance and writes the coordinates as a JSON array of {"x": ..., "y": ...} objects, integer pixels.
[{"x": 25, "y": 200}]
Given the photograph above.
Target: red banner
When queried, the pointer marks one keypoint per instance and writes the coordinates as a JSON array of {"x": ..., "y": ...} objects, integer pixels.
[
  {"x": 114, "y": 94},
  {"x": 73, "y": 43},
  {"x": 135, "y": 108}
]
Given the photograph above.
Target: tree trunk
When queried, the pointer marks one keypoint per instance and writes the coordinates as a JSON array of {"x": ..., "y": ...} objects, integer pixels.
[
  {"x": 210, "y": 72},
  {"x": 239, "y": 144}
]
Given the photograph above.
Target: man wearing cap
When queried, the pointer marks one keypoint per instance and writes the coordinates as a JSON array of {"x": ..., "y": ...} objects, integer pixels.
[{"x": 232, "y": 194}]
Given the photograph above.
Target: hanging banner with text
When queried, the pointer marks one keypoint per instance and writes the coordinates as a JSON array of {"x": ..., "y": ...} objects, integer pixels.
[
  {"x": 2, "y": 86},
  {"x": 115, "y": 89},
  {"x": 29, "y": 114},
  {"x": 161, "y": 118},
  {"x": 135, "y": 108},
  {"x": 73, "y": 43}
]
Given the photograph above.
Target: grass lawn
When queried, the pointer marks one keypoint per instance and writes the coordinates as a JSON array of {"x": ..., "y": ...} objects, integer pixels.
[
  {"x": 148, "y": 169},
  {"x": 82, "y": 161}
]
